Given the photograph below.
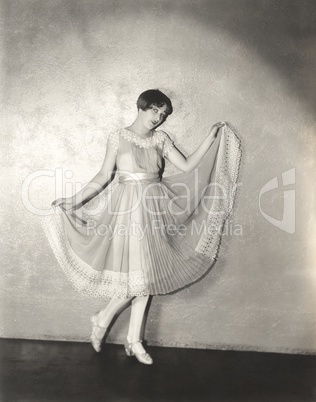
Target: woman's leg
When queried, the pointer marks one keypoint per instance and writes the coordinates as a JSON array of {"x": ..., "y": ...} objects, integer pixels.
[
  {"x": 103, "y": 319},
  {"x": 106, "y": 316},
  {"x": 137, "y": 316}
]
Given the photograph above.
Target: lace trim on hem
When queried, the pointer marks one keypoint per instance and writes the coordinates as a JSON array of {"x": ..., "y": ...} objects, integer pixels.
[
  {"x": 82, "y": 276},
  {"x": 226, "y": 175}
]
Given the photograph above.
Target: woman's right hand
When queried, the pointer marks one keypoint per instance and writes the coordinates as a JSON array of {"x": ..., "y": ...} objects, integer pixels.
[{"x": 65, "y": 203}]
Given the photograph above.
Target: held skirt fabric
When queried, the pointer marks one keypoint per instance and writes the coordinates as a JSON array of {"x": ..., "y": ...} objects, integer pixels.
[{"x": 153, "y": 234}]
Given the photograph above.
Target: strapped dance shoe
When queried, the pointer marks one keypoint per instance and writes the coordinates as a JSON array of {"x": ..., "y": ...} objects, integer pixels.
[
  {"x": 95, "y": 341},
  {"x": 144, "y": 358}
]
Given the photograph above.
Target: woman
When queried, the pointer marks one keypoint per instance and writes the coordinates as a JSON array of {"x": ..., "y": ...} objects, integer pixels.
[{"x": 155, "y": 234}]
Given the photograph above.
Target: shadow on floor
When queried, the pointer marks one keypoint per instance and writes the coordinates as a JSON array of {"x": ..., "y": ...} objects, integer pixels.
[{"x": 68, "y": 371}]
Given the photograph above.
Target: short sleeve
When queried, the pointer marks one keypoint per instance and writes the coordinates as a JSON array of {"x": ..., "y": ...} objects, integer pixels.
[
  {"x": 113, "y": 141},
  {"x": 168, "y": 144}
]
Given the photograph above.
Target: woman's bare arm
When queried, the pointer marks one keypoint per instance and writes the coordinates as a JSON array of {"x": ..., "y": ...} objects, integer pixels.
[
  {"x": 186, "y": 164},
  {"x": 99, "y": 181},
  {"x": 95, "y": 186}
]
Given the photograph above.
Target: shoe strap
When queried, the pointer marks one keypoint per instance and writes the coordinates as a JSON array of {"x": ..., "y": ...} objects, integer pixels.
[
  {"x": 131, "y": 344},
  {"x": 97, "y": 325}
]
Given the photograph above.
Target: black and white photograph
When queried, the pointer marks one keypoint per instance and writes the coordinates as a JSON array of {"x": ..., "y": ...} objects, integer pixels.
[{"x": 158, "y": 220}]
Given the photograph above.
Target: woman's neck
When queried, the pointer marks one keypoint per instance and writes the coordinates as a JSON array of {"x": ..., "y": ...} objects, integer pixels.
[{"x": 138, "y": 128}]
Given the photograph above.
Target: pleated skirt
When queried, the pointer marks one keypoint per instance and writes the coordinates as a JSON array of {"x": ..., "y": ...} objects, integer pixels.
[{"x": 153, "y": 235}]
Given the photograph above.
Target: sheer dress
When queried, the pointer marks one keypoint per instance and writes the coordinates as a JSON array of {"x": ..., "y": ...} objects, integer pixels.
[{"x": 150, "y": 234}]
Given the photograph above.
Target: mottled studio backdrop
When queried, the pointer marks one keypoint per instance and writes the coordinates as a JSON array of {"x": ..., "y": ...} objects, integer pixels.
[{"x": 72, "y": 71}]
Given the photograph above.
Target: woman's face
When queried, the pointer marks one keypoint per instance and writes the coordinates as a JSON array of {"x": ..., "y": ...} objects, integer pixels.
[{"x": 154, "y": 116}]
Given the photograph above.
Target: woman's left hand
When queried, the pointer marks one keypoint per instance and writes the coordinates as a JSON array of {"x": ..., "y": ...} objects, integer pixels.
[{"x": 216, "y": 127}]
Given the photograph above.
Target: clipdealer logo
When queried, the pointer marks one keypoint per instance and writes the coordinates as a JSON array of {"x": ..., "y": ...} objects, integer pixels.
[{"x": 287, "y": 223}]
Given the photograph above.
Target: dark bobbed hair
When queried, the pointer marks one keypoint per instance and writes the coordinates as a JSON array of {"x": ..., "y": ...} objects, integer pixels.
[{"x": 153, "y": 97}]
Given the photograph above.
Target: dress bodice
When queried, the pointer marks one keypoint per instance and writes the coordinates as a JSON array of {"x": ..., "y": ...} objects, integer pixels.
[{"x": 137, "y": 154}]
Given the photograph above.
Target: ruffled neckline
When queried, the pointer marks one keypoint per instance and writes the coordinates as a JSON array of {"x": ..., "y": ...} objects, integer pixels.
[{"x": 142, "y": 142}]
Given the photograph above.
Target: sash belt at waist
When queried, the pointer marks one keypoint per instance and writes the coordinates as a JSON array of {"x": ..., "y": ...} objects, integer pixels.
[{"x": 130, "y": 177}]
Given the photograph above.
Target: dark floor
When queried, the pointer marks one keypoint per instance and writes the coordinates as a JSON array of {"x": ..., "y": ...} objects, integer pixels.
[{"x": 67, "y": 371}]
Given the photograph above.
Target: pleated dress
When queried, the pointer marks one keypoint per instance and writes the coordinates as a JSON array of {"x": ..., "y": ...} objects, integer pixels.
[{"x": 149, "y": 234}]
